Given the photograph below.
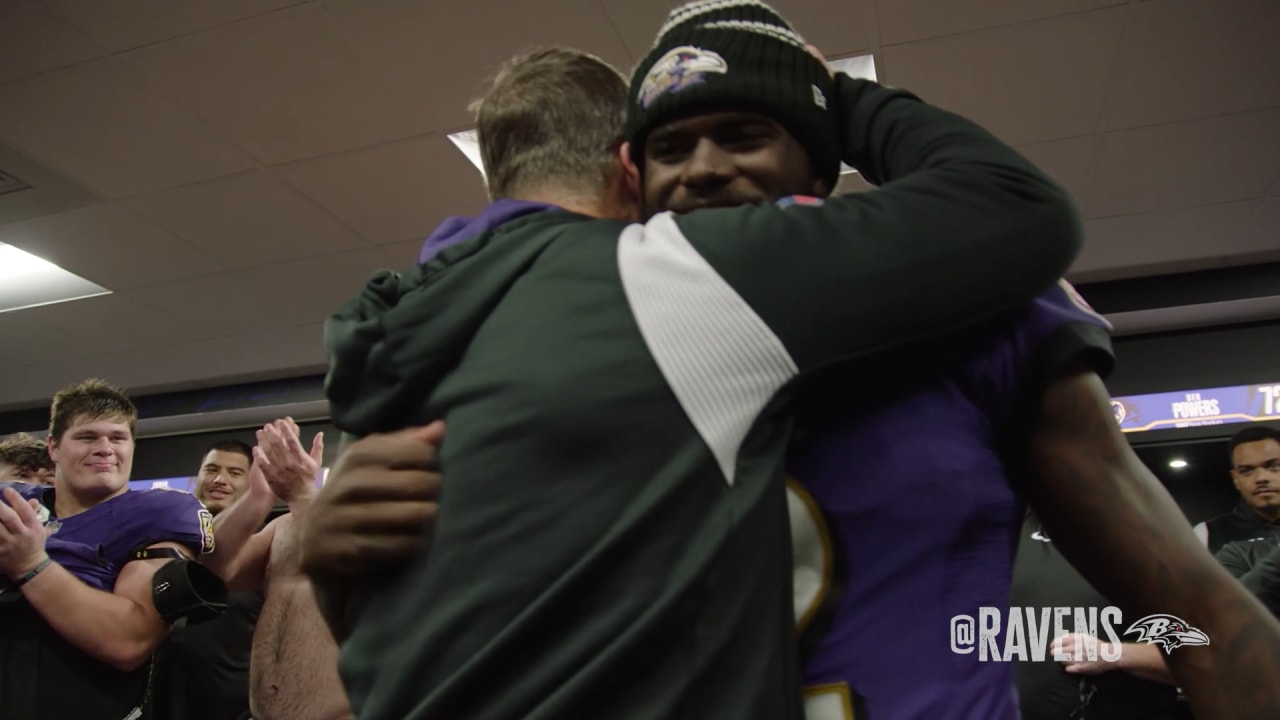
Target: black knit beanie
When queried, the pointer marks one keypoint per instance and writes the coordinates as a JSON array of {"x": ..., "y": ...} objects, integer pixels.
[{"x": 735, "y": 55}]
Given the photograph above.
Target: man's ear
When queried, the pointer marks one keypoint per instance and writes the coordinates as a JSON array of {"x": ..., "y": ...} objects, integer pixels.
[
  {"x": 630, "y": 171},
  {"x": 52, "y": 444}
]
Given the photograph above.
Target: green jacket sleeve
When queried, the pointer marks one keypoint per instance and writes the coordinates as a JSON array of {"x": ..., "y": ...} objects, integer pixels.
[
  {"x": 1260, "y": 574},
  {"x": 961, "y": 228},
  {"x": 1234, "y": 559}
]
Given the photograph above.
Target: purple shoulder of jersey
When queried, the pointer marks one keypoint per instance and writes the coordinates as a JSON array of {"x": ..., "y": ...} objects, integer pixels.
[
  {"x": 172, "y": 516},
  {"x": 94, "y": 545},
  {"x": 911, "y": 492}
]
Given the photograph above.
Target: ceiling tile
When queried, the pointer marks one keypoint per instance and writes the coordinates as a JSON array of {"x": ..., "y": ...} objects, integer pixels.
[
  {"x": 1197, "y": 162},
  {"x": 1166, "y": 241},
  {"x": 439, "y": 66},
  {"x": 30, "y": 342},
  {"x": 1262, "y": 232},
  {"x": 284, "y": 86},
  {"x": 108, "y": 245},
  {"x": 1014, "y": 80},
  {"x": 34, "y": 40},
  {"x": 33, "y": 386},
  {"x": 47, "y": 192},
  {"x": 296, "y": 348},
  {"x": 851, "y": 183},
  {"x": 906, "y": 20},
  {"x": 116, "y": 323},
  {"x": 223, "y": 304},
  {"x": 251, "y": 219},
  {"x": 102, "y": 126},
  {"x": 1067, "y": 161},
  {"x": 1189, "y": 60},
  {"x": 838, "y": 27},
  {"x": 393, "y": 192},
  {"x": 194, "y": 364},
  {"x": 328, "y": 282},
  {"x": 399, "y": 256},
  {"x": 120, "y": 26}
]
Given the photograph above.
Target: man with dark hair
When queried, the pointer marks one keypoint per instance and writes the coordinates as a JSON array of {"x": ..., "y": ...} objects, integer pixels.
[
  {"x": 24, "y": 458},
  {"x": 80, "y": 613},
  {"x": 602, "y": 576},
  {"x": 205, "y": 672},
  {"x": 1254, "y": 453},
  {"x": 224, "y": 474}
]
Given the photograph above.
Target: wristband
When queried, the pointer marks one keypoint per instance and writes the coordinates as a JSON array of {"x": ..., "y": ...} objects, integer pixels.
[{"x": 29, "y": 575}]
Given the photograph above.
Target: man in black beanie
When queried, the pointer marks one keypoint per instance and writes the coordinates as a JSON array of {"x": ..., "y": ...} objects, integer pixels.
[
  {"x": 905, "y": 513},
  {"x": 722, "y": 60}
]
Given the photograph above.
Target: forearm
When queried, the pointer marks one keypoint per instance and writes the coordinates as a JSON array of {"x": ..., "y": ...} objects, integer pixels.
[
  {"x": 108, "y": 627},
  {"x": 1146, "y": 662},
  {"x": 300, "y": 503},
  {"x": 964, "y": 229},
  {"x": 232, "y": 529}
]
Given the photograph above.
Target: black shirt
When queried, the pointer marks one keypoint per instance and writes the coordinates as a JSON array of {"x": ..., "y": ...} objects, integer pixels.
[
  {"x": 1256, "y": 564},
  {"x": 1242, "y": 523},
  {"x": 1042, "y": 577},
  {"x": 205, "y": 671}
]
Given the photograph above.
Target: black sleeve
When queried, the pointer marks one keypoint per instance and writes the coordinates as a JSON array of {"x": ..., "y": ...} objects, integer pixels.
[
  {"x": 1234, "y": 557},
  {"x": 963, "y": 227},
  {"x": 1263, "y": 579}
]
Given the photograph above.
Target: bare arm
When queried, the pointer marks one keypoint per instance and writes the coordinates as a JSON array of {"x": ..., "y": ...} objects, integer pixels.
[
  {"x": 1117, "y": 525},
  {"x": 120, "y": 628},
  {"x": 1146, "y": 662},
  {"x": 249, "y": 571},
  {"x": 235, "y": 532}
]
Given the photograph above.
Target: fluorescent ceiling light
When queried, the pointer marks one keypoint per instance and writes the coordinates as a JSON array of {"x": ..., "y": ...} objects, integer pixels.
[
  {"x": 28, "y": 281},
  {"x": 1177, "y": 464},
  {"x": 466, "y": 142},
  {"x": 859, "y": 66}
]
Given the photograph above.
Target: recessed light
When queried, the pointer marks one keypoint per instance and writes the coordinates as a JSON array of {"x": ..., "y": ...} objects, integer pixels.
[{"x": 1177, "y": 464}]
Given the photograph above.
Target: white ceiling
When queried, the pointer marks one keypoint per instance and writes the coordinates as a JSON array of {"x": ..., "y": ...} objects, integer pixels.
[{"x": 234, "y": 170}]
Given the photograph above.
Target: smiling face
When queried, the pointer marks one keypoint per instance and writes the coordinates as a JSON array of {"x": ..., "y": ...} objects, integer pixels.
[
  {"x": 721, "y": 160},
  {"x": 224, "y": 477},
  {"x": 94, "y": 457}
]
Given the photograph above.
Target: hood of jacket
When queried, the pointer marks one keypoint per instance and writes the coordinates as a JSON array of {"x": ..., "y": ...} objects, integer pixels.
[{"x": 390, "y": 346}]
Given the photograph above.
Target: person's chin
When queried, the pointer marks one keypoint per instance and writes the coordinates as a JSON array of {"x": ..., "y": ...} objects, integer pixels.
[{"x": 102, "y": 483}]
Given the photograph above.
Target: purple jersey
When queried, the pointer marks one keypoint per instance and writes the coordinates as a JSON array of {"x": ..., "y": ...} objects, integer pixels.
[
  {"x": 904, "y": 515},
  {"x": 95, "y": 544}
]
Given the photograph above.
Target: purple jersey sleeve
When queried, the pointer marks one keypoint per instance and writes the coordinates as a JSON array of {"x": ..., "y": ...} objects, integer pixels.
[
  {"x": 162, "y": 515},
  {"x": 30, "y": 491},
  {"x": 1057, "y": 332}
]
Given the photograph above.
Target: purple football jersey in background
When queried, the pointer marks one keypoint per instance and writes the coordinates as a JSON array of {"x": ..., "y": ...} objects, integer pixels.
[
  {"x": 919, "y": 516},
  {"x": 94, "y": 545}
]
